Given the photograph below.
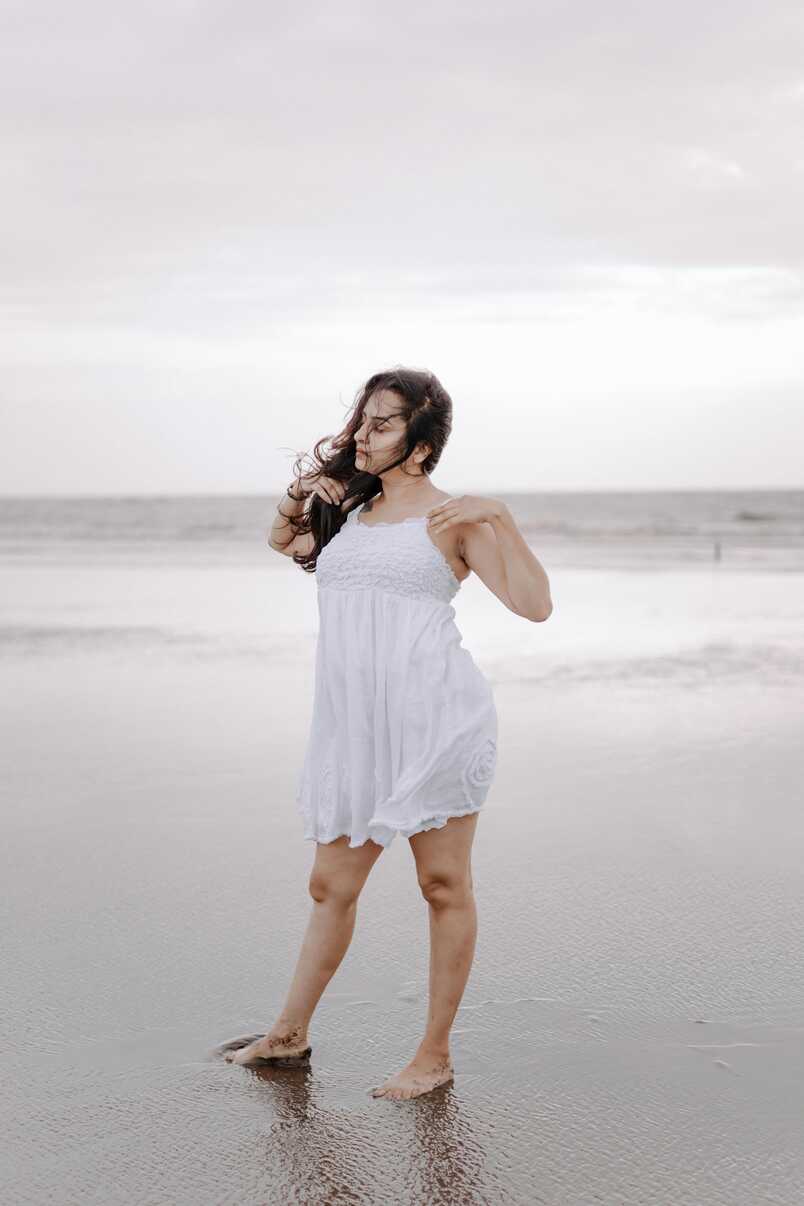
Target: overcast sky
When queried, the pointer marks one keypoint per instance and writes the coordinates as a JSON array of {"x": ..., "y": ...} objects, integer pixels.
[{"x": 220, "y": 218}]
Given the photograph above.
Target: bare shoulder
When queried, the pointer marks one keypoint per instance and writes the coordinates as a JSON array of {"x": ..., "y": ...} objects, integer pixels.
[{"x": 476, "y": 539}]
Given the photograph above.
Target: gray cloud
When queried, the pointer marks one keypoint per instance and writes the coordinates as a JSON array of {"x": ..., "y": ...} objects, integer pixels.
[
  {"x": 261, "y": 156},
  {"x": 552, "y": 203}
]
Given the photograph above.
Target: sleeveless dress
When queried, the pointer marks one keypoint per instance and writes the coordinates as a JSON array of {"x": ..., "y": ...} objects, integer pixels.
[{"x": 404, "y": 726}]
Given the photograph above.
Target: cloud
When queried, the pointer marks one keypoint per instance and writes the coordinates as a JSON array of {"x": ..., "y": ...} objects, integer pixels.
[
  {"x": 169, "y": 145},
  {"x": 712, "y": 170},
  {"x": 188, "y": 184}
]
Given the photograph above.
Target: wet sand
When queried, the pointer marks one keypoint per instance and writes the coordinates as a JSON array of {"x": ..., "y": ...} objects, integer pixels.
[{"x": 633, "y": 1027}]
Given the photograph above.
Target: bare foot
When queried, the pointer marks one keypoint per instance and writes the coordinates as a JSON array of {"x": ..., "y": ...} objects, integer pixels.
[
  {"x": 286, "y": 1050},
  {"x": 423, "y": 1073}
]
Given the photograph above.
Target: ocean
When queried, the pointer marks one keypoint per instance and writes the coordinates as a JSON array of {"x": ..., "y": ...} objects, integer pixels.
[
  {"x": 640, "y": 529},
  {"x": 646, "y": 586}
]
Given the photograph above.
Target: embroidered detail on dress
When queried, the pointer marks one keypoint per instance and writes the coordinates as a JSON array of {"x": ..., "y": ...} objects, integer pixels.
[
  {"x": 320, "y": 798},
  {"x": 327, "y": 795},
  {"x": 479, "y": 770}
]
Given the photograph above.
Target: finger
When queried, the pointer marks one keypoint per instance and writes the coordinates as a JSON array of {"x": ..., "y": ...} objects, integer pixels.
[
  {"x": 442, "y": 520},
  {"x": 445, "y": 511}
]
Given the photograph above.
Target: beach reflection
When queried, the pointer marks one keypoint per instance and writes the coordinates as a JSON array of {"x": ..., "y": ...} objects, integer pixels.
[{"x": 320, "y": 1154}]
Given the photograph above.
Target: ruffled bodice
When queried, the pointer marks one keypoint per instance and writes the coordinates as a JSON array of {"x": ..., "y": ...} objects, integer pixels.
[{"x": 398, "y": 557}]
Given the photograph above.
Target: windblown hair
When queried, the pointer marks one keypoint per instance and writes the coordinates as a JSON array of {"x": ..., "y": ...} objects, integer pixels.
[{"x": 426, "y": 408}]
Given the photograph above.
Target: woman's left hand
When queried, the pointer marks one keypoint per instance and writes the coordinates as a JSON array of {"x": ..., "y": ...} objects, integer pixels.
[{"x": 468, "y": 508}]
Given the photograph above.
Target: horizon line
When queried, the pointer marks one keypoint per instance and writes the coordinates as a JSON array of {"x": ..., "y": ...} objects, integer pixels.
[{"x": 279, "y": 491}]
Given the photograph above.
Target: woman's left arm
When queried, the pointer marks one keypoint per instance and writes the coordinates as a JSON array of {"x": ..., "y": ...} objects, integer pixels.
[{"x": 528, "y": 586}]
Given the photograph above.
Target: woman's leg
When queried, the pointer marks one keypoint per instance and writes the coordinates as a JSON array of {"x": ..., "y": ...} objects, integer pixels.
[
  {"x": 336, "y": 880},
  {"x": 444, "y": 871}
]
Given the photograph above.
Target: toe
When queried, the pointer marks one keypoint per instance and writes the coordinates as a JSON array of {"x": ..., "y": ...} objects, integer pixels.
[{"x": 243, "y": 1055}]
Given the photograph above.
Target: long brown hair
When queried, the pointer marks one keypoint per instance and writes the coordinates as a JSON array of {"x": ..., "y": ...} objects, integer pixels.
[{"x": 426, "y": 408}]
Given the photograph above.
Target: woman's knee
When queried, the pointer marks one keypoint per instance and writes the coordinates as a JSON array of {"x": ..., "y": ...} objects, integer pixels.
[
  {"x": 335, "y": 887},
  {"x": 446, "y": 888}
]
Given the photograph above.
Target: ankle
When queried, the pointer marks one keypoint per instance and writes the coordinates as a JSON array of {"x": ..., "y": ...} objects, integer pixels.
[
  {"x": 434, "y": 1049},
  {"x": 289, "y": 1033}
]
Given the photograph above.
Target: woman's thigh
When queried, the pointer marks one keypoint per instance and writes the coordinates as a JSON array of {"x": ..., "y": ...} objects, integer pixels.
[
  {"x": 445, "y": 853},
  {"x": 342, "y": 868}
]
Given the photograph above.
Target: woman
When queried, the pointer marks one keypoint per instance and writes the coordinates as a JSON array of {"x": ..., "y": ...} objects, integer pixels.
[{"x": 404, "y": 729}]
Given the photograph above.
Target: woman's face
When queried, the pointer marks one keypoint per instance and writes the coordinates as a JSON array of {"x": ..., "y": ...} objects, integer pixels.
[{"x": 379, "y": 437}]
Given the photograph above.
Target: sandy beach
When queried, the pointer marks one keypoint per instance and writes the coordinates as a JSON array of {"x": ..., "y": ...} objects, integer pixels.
[{"x": 633, "y": 1027}]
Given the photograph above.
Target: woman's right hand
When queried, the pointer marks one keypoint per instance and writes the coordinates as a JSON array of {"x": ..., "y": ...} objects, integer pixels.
[{"x": 327, "y": 488}]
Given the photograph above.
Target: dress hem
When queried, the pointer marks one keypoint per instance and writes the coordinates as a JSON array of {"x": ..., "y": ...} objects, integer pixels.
[{"x": 437, "y": 821}]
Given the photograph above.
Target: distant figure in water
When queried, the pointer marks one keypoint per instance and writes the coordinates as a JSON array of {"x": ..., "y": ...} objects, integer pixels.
[{"x": 403, "y": 736}]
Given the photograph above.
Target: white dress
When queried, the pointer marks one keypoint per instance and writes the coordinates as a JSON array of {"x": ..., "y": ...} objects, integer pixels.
[{"x": 404, "y": 726}]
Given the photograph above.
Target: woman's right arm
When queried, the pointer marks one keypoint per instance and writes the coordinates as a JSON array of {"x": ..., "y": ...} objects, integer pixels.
[{"x": 292, "y": 504}]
